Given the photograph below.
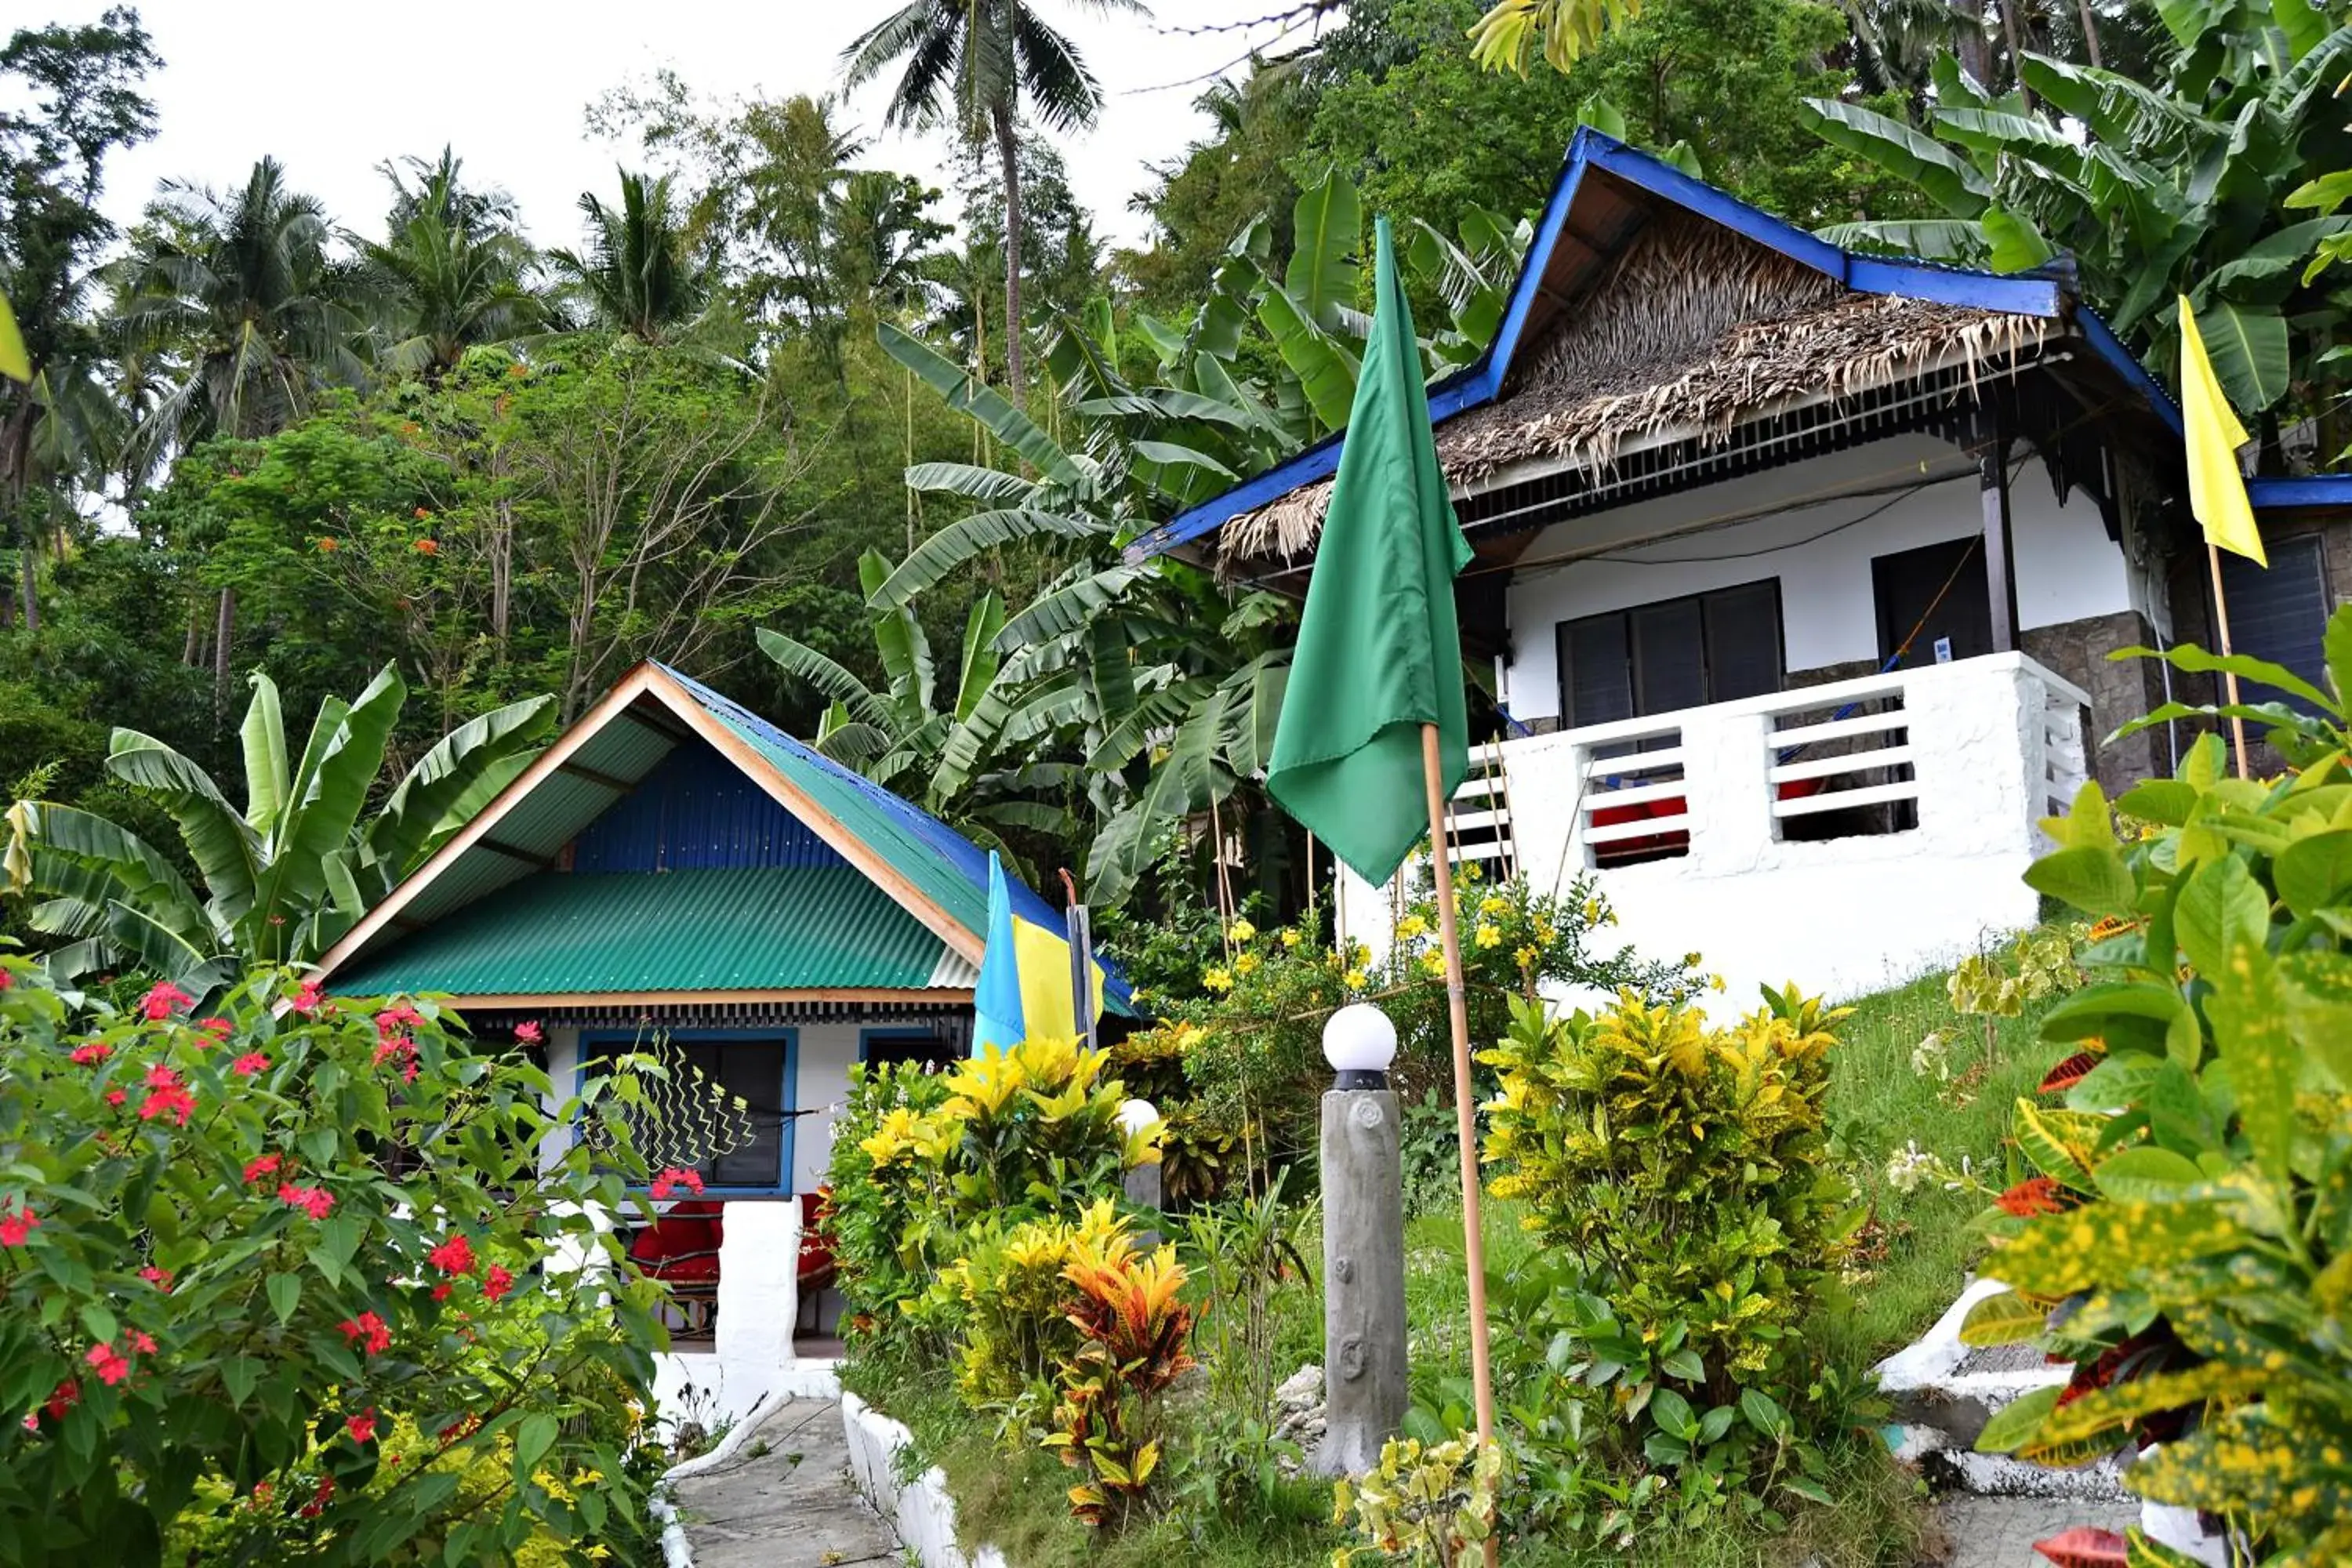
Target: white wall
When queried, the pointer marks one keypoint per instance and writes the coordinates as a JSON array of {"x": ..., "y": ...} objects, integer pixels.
[
  {"x": 1820, "y": 550},
  {"x": 822, "y": 1084}
]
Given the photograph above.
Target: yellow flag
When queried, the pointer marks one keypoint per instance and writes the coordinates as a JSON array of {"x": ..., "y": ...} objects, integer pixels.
[{"x": 2216, "y": 490}]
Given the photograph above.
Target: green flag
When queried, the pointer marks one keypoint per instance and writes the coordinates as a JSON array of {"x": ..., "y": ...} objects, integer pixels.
[{"x": 1379, "y": 653}]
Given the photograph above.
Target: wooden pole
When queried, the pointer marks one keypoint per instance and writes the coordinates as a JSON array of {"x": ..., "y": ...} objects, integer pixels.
[
  {"x": 1465, "y": 1118},
  {"x": 2230, "y": 678}
]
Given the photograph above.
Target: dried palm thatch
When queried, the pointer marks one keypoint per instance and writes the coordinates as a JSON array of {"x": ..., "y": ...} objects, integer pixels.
[{"x": 1695, "y": 331}]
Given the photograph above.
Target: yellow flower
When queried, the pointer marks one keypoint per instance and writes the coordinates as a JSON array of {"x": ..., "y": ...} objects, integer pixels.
[
  {"x": 1544, "y": 932},
  {"x": 1245, "y": 966},
  {"x": 1353, "y": 979},
  {"x": 1217, "y": 980},
  {"x": 1593, "y": 911},
  {"x": 1411, "y": 927},
  {"x": 1433, "y": 962},
  {"x": 1492, "y": 904},
  {"x": 1527, "y": 957},
  {"x": 1291, "y": 939},
  {"x": 1715, "y": 981},
  {"x": 1241, "y": 930},
  {"x": 1489, "y": 935}
]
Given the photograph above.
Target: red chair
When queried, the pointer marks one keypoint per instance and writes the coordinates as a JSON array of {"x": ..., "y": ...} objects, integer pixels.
[
  {"x": 1676, "y": 840},
  {"x": 681, "y": 1250},
  {"x": 817, "y": 1264}
]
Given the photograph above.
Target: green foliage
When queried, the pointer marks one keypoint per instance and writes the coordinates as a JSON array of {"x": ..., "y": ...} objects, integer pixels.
[
  {"x": 1132, "y": 1334},
  {"x": 258, "y": 1257},
  {"x": 2182, "y": 1238},
  {"x": 1681, "y": 1173},
  {"x": 283, "y": 879},
  {"x": 1432, "y": 1506}
]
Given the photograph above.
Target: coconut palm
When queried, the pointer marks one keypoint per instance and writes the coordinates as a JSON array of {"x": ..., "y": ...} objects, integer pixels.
[
  {"x": 975, "y": 64},
  {"x": 283, "y": 879},
  {"x": 451, "y": 274},
  {"x": 639, "y": 276}
]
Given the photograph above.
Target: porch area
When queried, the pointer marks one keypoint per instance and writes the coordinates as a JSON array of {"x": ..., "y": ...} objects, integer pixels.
[{"x": 1847, "y": 836}]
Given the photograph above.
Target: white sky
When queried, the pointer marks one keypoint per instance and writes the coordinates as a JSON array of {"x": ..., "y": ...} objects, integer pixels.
[{"x": 334, "y": 90}]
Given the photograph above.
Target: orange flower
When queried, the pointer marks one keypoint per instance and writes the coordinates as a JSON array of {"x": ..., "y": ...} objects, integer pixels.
[
  {"x": 422, "y": 514},
  {"x": 2036, "y": 1195},
  {"x": 429, "y": 547},
  {"x": 327, "y": 546}
]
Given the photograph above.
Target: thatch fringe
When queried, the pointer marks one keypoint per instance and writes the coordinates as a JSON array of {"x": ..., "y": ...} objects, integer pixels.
[{"x": 1695, "y": 329}]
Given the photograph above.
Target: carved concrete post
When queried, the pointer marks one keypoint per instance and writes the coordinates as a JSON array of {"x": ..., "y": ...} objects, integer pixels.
[{"x": 1364, "y": 1247}]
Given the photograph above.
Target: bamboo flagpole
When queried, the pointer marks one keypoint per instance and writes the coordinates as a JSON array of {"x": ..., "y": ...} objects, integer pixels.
[
  {"x": 1465, "y": 1113},
  {"x": 2228, "y": 677}
]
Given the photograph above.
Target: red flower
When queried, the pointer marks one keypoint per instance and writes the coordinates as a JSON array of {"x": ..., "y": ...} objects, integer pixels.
[
  {"x": 62, "y": 1398},
  {"x": 319, "y": 1498},
  {"x": 215, "y": 1031},
  {"x": 496, "y": 1283},
  {"x": 528, "y": 1032},
  {"x": 328, "y": 545},
  {"x": 396, "y": 1020},
  {"x": 369, "y": 1330},
  {"x": 316, "y": 1202},
  {"x": 256, "y": 1169},
  {"x": 138, "y": 1340},
  {"x": 15, "y": 1227},
  {"x": 455, "y": 1256},
  {"x": 115, "y": 1097},
  {"x": 90, "y": 1055},
  {"x": 2036, "y": 1195},
  {"x": 408, "y": 1073},
  {"x": 6, "y": 980},
  {"x": 361, "y": 1426},
  {"x": 305, "y": 1000},
  {"x": 110, "y": 1366},
  {"x": 422, "y": 514},
  {"x": 163, "y": 1001},
  {"x": 670, "y": 1180},
  {"x": 159, "y": 1278},
  {"x": 250, "y": 1063},
  {"x": 441, "y": 1292},
  {"x": 166, "y": 1096},
  {"x": 429, "y": 547}
]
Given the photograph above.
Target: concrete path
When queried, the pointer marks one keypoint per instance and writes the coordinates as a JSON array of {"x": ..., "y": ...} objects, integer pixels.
[
  {"x": 2000, "y": 1531},
  {"x": 786, "y": 1502}
]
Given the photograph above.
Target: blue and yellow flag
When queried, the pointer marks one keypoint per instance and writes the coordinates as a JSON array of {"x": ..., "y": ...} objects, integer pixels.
[{"x": 1025, "y": 990}]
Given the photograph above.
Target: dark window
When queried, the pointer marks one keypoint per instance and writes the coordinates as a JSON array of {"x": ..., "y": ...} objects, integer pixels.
[
  {"x": 934, "y": 1051},
  {"x": 2281, "y": 613},
  {"x": 1677, "y": 653},
  {"x": 1937, "y": 592},
  {"x": 755, "y": 1137}
]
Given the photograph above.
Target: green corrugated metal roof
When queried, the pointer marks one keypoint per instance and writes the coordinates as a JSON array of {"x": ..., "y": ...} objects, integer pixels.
[{"x": 781, "y": 928}]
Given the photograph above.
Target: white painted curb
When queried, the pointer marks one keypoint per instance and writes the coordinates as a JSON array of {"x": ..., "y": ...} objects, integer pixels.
[
  {"x": 921, "y": 1512},
  {"x": 676, "y": 1552}
]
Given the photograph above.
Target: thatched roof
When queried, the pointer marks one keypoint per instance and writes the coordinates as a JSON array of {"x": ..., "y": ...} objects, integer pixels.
[{"x": 1696, "y": 330}]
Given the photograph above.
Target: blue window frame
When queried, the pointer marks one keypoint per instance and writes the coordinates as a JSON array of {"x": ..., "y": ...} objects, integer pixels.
[
  {"x": 908, "y": 1043},
  {"x": 761, "y": 1066}
]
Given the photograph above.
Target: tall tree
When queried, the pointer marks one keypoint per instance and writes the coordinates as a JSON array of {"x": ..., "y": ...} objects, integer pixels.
[
  {"x": 451, "y": 274},
  {"x": 639, "y": 274},
  {"x": 975, "y": 64},
  {"x": 74, "y": 99}
]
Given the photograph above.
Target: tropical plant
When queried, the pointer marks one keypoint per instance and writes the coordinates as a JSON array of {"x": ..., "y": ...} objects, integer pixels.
[
  {"x": 316, "y": 1286},
  {"x": 639, "y": 276},
  {"x": 1131, "y": 1329},
  {"x": 2177, "y": 187},
  {"x": 282, "y": 880},
  {"x": 451, "y": 274},
  {"x": 1431, "y": 1507},
  {"x": 2183, "y": 1233},
  {"x": 1513, "y": 32},
  {"x": 974, "y": 66}
]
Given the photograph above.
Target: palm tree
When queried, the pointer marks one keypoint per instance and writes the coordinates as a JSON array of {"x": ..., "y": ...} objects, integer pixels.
[
  {"x": 639, "y": 274},
  {"x": 451, "y": 273},
  {"x": 970, "y": 63}
]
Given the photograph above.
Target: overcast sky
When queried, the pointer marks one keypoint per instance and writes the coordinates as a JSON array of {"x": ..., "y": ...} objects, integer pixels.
[{"x": 333, "y": 91}]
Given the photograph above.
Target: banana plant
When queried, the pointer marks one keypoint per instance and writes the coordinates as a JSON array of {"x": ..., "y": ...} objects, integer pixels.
[
  {"x": 2181, "y": 187},
  {"x": 282, "y": 880}
]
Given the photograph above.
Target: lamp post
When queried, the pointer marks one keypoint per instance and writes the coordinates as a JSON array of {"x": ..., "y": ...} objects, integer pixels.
[{"x": 1364, "y": 1386}]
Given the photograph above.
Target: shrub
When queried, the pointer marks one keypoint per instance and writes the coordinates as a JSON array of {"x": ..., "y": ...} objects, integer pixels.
[
  {"x": 1014, "y": 1297},
  {"x": 1680, "y": 1176},
  {"x": 2187, "y": 1237},
  {"x": 1131, "y": 1350},
  {"x": 240, "y": 1255},
  {"x": 1431, "y": 1505}
]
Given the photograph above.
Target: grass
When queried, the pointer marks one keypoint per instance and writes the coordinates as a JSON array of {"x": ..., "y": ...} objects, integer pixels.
[{"x": 1920, "y": 1244}]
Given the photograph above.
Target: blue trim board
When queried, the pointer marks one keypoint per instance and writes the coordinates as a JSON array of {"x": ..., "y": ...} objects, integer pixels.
[
  {"x": 2314, "y": 489},
  {"x": 592, "y": 1039},
  {"x": 2021, "y": 295},
  {"x": 2110, "y": 348}
]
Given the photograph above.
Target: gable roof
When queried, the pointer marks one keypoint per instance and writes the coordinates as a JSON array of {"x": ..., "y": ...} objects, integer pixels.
[
  {"x": 922, "y": 925},
  {"x": 1605, "y": 193}
]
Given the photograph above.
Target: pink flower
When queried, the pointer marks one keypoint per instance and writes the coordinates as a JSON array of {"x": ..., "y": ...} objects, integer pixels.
[
  {"x": 90, "y": 1055},
  {"x": 248, "y": 1064},
  {"x": 138, "y": 1340},
  {"x": 6, "y": 980},
  {"x": 316, "y": 1202},
  {"x": 305, "y": 1000},
  {"x": 214, "y": 1030},
  {"x": 256, "y": 1169},
  {"x": 455, "y": 1256},
  {"x": 670, "y": 1180},
  {"x": 159, "y": 1278},
  {"x": 361, "y": 1426},
  {"x": 32, "y": 1417},
  {"x": 160, "y": 1077},
  {"x": 163, "y": 1001},
  {"x": 528, "y": 1033},
  {"x": 109, "y": 1363},
  {"x": 396, "y": 1020},
  {"x": 16, "y": 1228},
  {"x": 441, "y": 1292},
  {"x": 115, "y": 1097},
  {"x": 496, "y": 1283},
  {"x": 166, "y": 1096},
  {"x": 369, "y": 1330}
]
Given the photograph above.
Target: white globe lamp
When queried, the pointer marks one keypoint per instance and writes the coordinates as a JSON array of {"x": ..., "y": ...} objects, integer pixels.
[
  {"x": 1360, "y": 1042},
  {"x": 1137, "y": 1115}
]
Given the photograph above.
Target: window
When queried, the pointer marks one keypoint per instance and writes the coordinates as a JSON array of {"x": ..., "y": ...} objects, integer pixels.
[
  {"x": 1679, "y": 653},
  {"x": 2280, "y": 615},
  {"x": 758, "y": 1139},
  {"x": 886, "y": 1048}
]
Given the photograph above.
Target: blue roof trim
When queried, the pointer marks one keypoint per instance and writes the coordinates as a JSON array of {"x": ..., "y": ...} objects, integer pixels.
[
  {"x": 2110, "y": 348},
  {"x": 2314, "y": 489},
  {"x": 1482, "y": 380},
  {"x": 970, "y": 860}
]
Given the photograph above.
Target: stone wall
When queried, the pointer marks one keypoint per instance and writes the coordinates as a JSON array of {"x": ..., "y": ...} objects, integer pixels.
[{"x": 2121, "y": 690}]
